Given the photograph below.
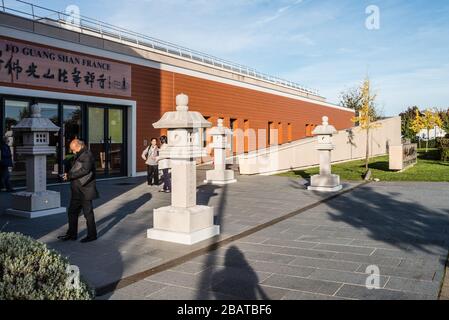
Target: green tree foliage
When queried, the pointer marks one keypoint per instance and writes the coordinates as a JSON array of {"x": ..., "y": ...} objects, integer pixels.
[
  {"x": 353, "y": 99},
  {"x": 444, "y": 115},
  {"x": 407, "y": 118}
]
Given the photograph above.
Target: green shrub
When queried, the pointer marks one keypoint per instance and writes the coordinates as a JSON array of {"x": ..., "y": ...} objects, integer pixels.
[
  {"x": 445, "y": 154},
  {"x": 443, "y": 143},
  {"x": 30, "y": 271},
  {"x": 432, "y": 143}
]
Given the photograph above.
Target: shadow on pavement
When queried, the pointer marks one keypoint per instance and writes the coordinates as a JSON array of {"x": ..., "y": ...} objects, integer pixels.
[
  {"x": 210, "y": 261},
  {"x": 406, "y": 225},
  {"x": 107, "y": 223},
  {"x": 237, "y": 278}
]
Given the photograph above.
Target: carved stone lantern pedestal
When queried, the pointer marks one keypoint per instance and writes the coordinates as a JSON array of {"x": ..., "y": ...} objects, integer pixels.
[
  {"x": 220, "y": 176},
  {"x": 184, "y": 221},
  {"x": 36, "y": 201},
  {"x": 325, "y": 181}
]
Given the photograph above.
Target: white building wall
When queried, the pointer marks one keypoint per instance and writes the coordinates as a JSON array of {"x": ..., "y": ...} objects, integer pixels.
[{"x": 434, "y": 133}]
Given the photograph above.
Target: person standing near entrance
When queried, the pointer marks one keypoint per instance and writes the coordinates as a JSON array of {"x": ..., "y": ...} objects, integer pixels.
[
  {"x": 5, "y": 164},
  {"x": 150, "y": 155},
  {"x": 164, "y": 165},
  {"x": 84, "y": 191}
]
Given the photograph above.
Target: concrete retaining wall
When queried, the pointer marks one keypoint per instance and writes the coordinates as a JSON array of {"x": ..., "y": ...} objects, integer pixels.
[{"x": 349, "y": 144}]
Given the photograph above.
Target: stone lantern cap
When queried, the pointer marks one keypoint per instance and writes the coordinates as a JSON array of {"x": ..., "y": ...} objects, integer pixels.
[
  {"x": 220, "y": 130},
  {"x": 182, "y": 118},
  {"x": 325, "y": 128},
  {"x": 35, "y": 123}
]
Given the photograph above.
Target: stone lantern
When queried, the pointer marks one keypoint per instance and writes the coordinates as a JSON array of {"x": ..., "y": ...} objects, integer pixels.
[
  {"x": 325, "y": 181},
  {"x": 36, "y": 201},
  {"x": 184, "y": 221},
  {"x": 220, "y": 175}
]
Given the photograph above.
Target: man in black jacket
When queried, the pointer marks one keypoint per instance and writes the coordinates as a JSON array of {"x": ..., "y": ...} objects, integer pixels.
[{"x": 84, "y": 190}]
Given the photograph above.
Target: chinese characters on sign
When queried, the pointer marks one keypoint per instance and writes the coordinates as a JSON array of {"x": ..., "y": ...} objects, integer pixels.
[
  {"x": 27, "y": 64},
  {"x": 410, "y": 156},
  {"x": 403, "y": 156}
]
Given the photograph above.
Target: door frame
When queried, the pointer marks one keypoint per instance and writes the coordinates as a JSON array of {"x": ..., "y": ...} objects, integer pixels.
[
  {"x": 130, "y": 115},
  {"x": 106, "y": 135}
]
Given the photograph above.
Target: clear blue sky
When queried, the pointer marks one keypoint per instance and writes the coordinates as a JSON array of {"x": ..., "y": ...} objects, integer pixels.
[{"x": 322, "y": 44}]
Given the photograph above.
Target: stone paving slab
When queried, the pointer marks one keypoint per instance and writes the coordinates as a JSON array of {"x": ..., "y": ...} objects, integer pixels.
[
  {"x": 125, "y": 212},
  {"x": 288, "y": 261},
  {"x": 322, "y": 253}
]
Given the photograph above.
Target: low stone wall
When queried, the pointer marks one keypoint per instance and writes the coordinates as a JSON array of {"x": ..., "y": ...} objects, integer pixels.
[{"x": 349, "y": 144}]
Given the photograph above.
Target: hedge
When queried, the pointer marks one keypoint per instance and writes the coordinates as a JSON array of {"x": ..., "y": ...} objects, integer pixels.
[{"x": 31, "y": 271}]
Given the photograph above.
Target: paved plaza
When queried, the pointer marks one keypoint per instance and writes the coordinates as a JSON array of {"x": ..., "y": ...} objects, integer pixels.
[{"x": 321, "y": 251}]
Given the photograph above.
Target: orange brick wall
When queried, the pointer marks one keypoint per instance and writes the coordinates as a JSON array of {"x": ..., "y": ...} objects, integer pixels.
[
  {"x": 217, "y": 100},
  {"x": 155, "y": 90}
]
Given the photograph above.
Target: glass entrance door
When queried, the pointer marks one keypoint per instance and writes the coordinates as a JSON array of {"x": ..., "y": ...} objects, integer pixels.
[{"x": 106, "y": 139}]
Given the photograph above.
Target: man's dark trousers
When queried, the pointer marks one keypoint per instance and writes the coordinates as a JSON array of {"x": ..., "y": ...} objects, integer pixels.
[{"x": 76, "y": 205}]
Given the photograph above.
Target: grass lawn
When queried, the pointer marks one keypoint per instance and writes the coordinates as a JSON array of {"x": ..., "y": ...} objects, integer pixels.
[{"x": 428, "y": 168}]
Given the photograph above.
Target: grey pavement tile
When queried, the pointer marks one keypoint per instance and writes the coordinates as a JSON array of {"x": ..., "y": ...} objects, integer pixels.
[
  {"x": 278, "y": 268},
  {"x": 385, "y": 244},
  {"x": 280, "y": 235},
  {"x": 375, "y": 260},
  {"x": 344, "y": 276},
  {"x": 290, "y": 243},
  {"x": 425, "y": 264},
  {"x": 258, "y": 256},
  {"x": 174, "y": 278},
  {"x": 310, "y": 253},
  {"x": 208, "y": 277},
  {"x": 325, "y": 239},
  {"x": 190, "y": 267},
  {"x": 296, "y": 227},
  {"x": 410, "y": 273},
  {"x": 290, "y": 251},
  {"x": 248, "y": 290},
  {"x": 418, "y": 254},
  {"x": 253, "y": 239},
  {"x": 333, "y": 228},
  {"x": 325, "y": 264},
  {"x": 362, "y": 293},
  {"x": 137, "y": 291},
  {"x": 354, "y": 234},
  {"x": 231, "y": 273},
  {"x": 302, "y": 284},
  {"x": 181, "y": 293},
  {"x": 430, "y": 288},
  {"x": 262, "y": 266},
  {"x": 345, "y": 248},
  {"x": 298, "y": 295},
  {"x": 319, "y": 233}
]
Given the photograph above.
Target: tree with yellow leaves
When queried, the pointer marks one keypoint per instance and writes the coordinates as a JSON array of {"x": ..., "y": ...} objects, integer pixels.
[
  {"x": 427, "y": 120},
  {"x": 417, "y": 124},
  {"x": 365, "y": 117}
]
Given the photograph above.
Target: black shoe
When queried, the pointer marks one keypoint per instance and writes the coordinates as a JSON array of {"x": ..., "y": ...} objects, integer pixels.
[
  {"x": 88, "y": 239},
  {"x": 67, "y": 238}
]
